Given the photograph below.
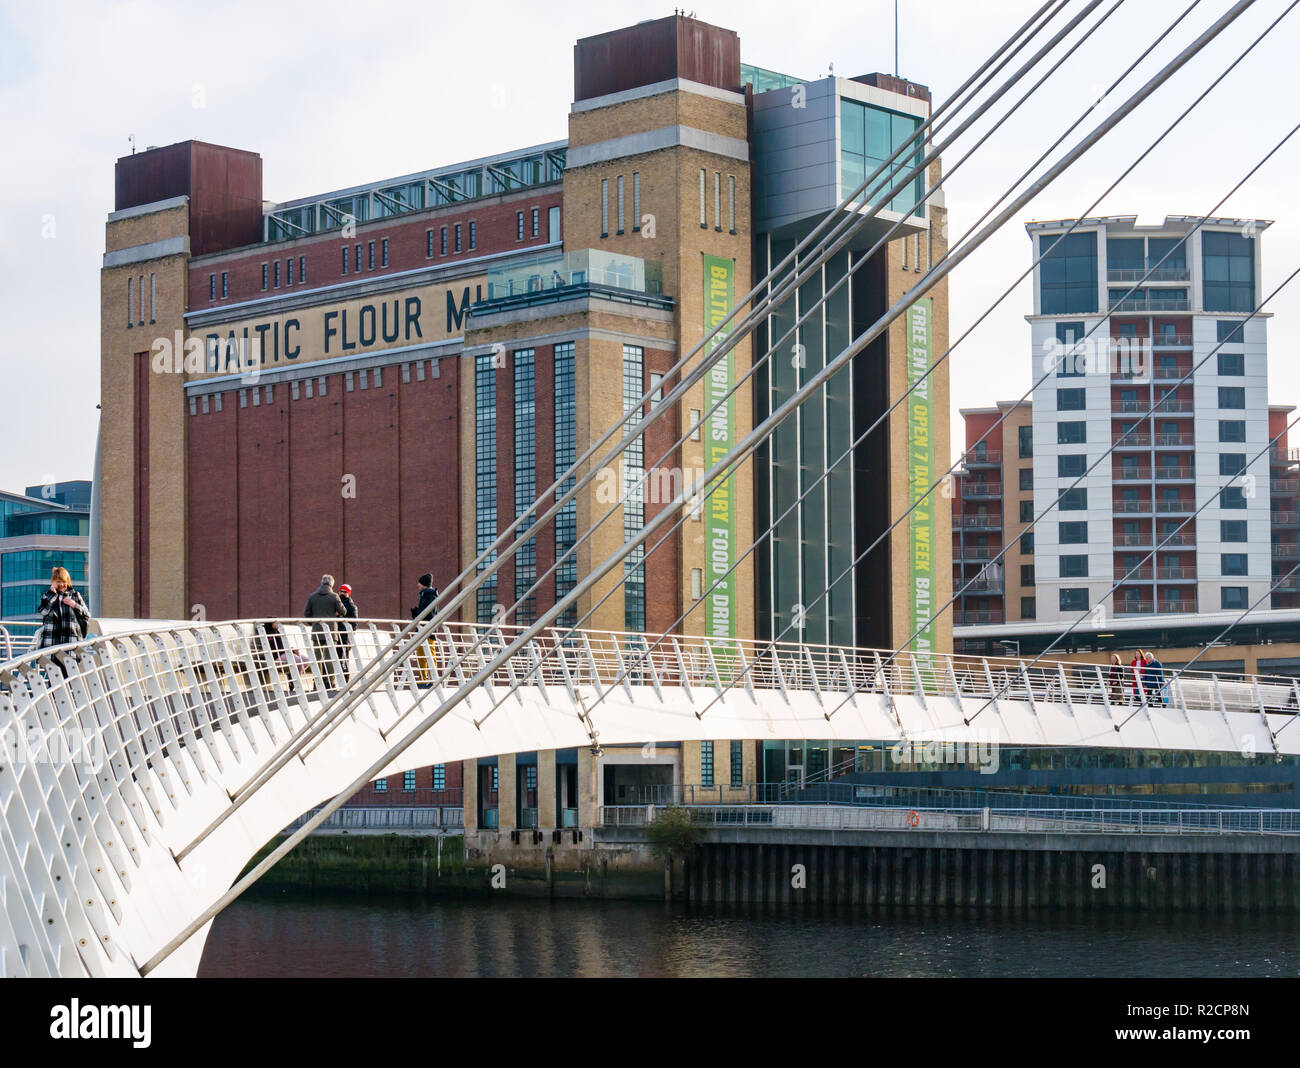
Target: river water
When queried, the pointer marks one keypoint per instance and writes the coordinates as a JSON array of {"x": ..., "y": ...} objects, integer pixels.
[{"x": 271, "y": 935}]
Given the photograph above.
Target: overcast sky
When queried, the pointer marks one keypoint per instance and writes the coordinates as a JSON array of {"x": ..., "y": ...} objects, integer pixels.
[{"x": 334, "y": 94}]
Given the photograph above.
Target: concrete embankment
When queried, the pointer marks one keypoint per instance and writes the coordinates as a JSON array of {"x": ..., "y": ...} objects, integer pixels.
[{"x": 780, "y": 868}]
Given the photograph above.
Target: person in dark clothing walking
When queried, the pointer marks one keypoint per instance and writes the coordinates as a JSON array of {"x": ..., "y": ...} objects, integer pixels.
[
  {"x": 1153, "y": 679},
  {"x": 64, "y": 615},
  {"x": 425, "y": 659},
  {"x": 345, "y": 630},
  {"x": 324, "y": 604}
]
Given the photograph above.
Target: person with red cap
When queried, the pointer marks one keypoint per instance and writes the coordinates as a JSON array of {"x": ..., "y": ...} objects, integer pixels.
[{"x": 345, "y": 630}]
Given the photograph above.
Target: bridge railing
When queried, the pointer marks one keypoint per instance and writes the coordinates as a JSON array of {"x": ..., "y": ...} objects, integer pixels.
[
  {"x": 1216, "y": 821},
  {"x": 200, "y": 673}
]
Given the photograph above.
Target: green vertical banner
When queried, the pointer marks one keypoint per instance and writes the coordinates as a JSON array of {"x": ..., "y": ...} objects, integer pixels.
[
  {"x": 720, "y": 438},
  {"x": 920, "y": 474}
]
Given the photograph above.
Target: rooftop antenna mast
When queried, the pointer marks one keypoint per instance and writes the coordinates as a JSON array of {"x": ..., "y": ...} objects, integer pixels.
[
  {"x": 895, "y": 38},
  {"x": 131, "y": 138}
]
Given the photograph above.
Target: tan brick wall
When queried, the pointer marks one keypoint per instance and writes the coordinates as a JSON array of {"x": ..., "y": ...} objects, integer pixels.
[{"x": 118, "y": 346}]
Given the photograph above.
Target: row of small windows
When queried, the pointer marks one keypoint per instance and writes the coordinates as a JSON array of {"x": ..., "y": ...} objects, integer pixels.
[
  {"x": 620, "y": 201},
  {"x": 135, "y": 300},
  {"x": 1076, "y": 599},
  {"x": 370, "y": 257},
  {"x": 1075, "y": 432},
  {"x": 458, "y": 232},
  {"x": 408, "y": 780},
  {"x": 271, "y": 274},
  {"x": 737, "y": 762},
  {"x": 717, "y": 201}
]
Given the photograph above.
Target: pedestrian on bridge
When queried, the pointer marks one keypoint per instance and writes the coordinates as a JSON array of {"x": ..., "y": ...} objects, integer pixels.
[
  {"x": 1115, "y": 679},
  {"x": 324, "y": 604},
  {"x": 1136, "y": 666},
  {"x": 64, "y": 615},
  {"x": 424, "y": 661},
  {"x": 1153, "y": 678},
  {"x": 345, "y": 630}
]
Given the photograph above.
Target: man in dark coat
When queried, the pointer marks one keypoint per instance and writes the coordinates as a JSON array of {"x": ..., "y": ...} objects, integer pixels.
[
  {"x": 324, "y": 604},
  {"x": 345, "y": 629},
  {"x": 424, "y": 659}
]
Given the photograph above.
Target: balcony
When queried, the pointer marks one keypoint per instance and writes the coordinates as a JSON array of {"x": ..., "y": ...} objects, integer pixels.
[
  {"x": 982, "y": 458},
  {"x": 1149, "y": 274},
  {"x": 996, "y": 615},
  {"x": 978, "y": 522},
  {"x": 1175, "y": 441},
  {"x": 1131, "y": 507},
  {"x": 1169, "y": 373},
  {"x": 1175, "y": 507},
  {"x": 1136, "y": 607},
  {"x": 1288, "y": 585},
  {"x": 978, "y": 585},
  {"x": 1136, "y": 440},
  {"x": 1174, "y": 473},
  {"x": 544, "y": 277},
  {"x": 1141, "y": 305},
  {"x": 972, "y": 489},
  {"x": 1131, "y": 474},
  {"x": 1137, "y": 574},
  {"x": 1284, "y": 487},
  {"x": 1170, "y": 405},
  {"x": 974, "y": 552},
  {"x": 1172, "y": 341},
  {"x": 1284, "y": 454},
  {"x": 1285, "y": 519},
  {"x": 1184, "y": 573},
  {"x": 1285, "y": 551}
]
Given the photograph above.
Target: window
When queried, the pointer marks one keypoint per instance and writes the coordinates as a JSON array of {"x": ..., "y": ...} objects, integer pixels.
[
  {"x": 1232, "y": 597},
  {"x": 1026, "y": 511},
  {"x": 656, "y": 388},
  {"x": 636, "y": 201},
  {"x": 428, "y": 236},
  {"x": 697, "y": 583},
  {"x": 153, "y": 296},
  {"x": 485, "y": 462},
  {"x": 130, "y": 302},
  {"x": 1232, "y": 396},
  {"x": 1074, "y": 567},
  {"x": 519, "y": 217},
  {"x": 266, "y": 269},
  {"x": 553, "y": 224},
  {"x": 566, "y": 520},
  {"x": 1070, "y": 400},
  {"x": 1229, "y": 330},
  {"x": 345, "y": 259},
  {"x": 458, "y": 237},
  {"x": 381, "y": 784},
  {"x": 1026, "y": 436},
  {"x": 634, "y": 506},
  {"x": 737, "y": 763},
  {"x": 604, "y": 207},
  {"x": 1071, "y": 466},
  {"x": 1074, "y": 500},
  {"x": 620, "y": 204},
  {"x": 356, "y": 258},
  {"x": 1232, "y": 364},
  {"x": 408, "y": 780},
  {"x": 443, "y": 244},
  {"x": 536, "y": 224},
  {"x": 525, "y": 467},
  {"x": 706, "y": 763},
  {"x": 1027, "y": 544},
  {"x": 731, "y": 202},
  {"x": 277, "y": 275},
  {"x": 1069, "y": 337},
  {"x": 703, "y": 217},
  {"x": 717, "y": 200},
  {"x": 1067, "y": 273},
  {"x": 1232, "y": 430},
  {"x": 1232, "y": 497},
  {"x": 225, "y": 284},
  {"x": 869, "y": 136},
  {"x": 1232, "y": 563},
  {"x": 212, "y": 288},
  {"x": 1228, "y": 271},
  {"x": 1026, "y": 574},
  {"x": 1232, "y": 530},
  {"x": 1071, "y": 433},
  {"x": 288, "y": 271},
  {"x": 302, "y": 269},
  {"x": 1074, "y": 599},
  {"x": 384, "y": 258},
  {"x": 1026, "y": 478},
  {"x": 1028, "y": 608},
  {"x": 370, "y": 256},
  {"x": 473, "y": 234},
  {"x": 440, "y": 776},
  {"x": 1072, "y": 533}
]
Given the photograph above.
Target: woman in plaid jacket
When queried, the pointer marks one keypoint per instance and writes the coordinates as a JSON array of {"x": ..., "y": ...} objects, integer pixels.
[{"x": 64, "y": 615}]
